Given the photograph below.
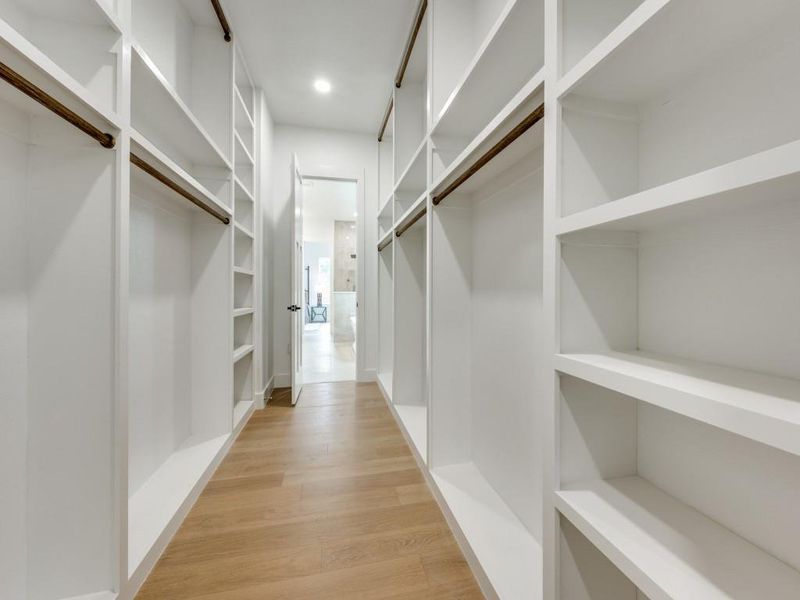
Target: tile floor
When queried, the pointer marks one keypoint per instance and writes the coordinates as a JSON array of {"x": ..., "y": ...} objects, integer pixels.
[{"x": 324, "y": 361}]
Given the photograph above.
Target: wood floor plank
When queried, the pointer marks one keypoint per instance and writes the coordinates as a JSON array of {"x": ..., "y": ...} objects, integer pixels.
[{"x": 321, "y": 500}]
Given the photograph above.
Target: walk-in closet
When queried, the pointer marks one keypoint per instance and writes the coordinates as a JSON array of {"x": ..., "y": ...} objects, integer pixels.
[{"x": 570, "y": 247}]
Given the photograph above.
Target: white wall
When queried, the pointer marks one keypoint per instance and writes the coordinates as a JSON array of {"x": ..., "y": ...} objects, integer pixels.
[
  {"x": 265, "y": 140},
  {"x": 328, "y": 153}
]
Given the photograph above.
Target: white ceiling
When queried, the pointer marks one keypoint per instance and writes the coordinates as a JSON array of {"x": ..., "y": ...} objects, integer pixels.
[{"x": 355, "y": 44}]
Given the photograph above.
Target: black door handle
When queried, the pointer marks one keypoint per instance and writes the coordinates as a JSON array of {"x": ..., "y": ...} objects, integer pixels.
[{"x": 293, "y": 308}]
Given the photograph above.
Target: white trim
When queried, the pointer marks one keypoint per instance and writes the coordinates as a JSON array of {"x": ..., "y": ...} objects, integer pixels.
[
  {"x": 282, "y": 380},
  {"x": 263, "y": 398}
]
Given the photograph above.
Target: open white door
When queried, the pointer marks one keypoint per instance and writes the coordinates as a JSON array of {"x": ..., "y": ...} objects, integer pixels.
[{"x": 297, "y": 307}]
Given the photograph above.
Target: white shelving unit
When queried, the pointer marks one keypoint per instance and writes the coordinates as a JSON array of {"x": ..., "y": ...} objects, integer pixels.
[
  {"x": 122, "y": 292},
  {"x": 609, "y": 396},
  {"x": 57, "y": 244}
]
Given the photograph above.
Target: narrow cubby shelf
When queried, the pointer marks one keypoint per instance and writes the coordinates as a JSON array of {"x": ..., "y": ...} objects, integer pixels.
[
  {"x": 73, "y": 40},
  {"x": 241, "y": 351},
  {"x": 244, "y": 119},
  {"x": 241, "y": 192},
  {"x": 509, "y": 555},
  {"x": 760, "y": 407},
  {"x": 246, "y": 154},
  {"x": 241, "y": 312},
  {"x": 243, "y": 230},
  {"x": 386, "y": 216},
  {"x": 668, "y": 549},
  {"x": 412, "y": 184},
  {"x": 243, "y": 271},
  {"x": 490, "y": 78}
]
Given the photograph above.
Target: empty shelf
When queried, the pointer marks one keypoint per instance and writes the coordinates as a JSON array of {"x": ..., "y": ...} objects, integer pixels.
[
  {"x": 241, "y": 410},
  {"x": 760, "y": 407},
  {"x": 769, "y": 176},
  {"x": 669, "y": 550},
  {"x": 242, "y": 351},
  {"x": 415, "y": 422}
]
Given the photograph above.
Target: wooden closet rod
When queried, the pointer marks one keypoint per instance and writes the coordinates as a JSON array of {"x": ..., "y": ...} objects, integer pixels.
[
  {"x": 226, "y": 29},
  {"x": 405, "y": 227},
  {"x": 156, "y": 174},
  {"x": 386, "y": 119},
  {"x": 412, "y": 38},
  {"x": 29, "y": 89},
  {"x": 504, "y": 143},
  {"x": 385, "y": 243}
]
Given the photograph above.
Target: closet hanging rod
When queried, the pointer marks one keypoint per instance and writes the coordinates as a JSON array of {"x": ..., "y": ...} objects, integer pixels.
[
  {"x": 412, "y": 38},
  {"x": 226, "y": 29},
  {"x": 156, "y": 174},
  {"x": 385, "y": 243},
  {"x": 405, "y": 227},
  {"x": 386, "y": 118},
  {"x": 29, "y": 89},
  {"x": 504, "y": 143}
]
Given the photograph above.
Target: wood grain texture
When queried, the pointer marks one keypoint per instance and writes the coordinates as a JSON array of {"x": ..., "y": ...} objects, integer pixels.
[{"x": 323, "y": 500}]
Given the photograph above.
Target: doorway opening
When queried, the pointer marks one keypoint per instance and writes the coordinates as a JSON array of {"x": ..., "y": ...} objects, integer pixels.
[{"x": 330, "y": 242}]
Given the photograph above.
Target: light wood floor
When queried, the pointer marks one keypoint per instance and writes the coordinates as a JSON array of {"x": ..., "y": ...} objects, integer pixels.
[{"x": 320, "y": 501}]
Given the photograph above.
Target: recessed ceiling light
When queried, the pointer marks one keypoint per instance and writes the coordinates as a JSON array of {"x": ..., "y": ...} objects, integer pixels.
[{"x": 323, "y": 86}]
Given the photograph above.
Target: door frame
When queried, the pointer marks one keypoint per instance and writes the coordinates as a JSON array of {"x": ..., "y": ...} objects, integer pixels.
[{"x": 358, "y": 178}]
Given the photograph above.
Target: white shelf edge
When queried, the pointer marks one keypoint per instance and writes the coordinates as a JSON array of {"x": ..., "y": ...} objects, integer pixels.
[
  {"x": 528, "y": 90},
  {"x": 244, "y": 230},
  {"x": 177, "y": 172},
  {"x": 243, "y": 271},
  {"x": 242, "y": 187},
  {"x": 244, "y": 149},
  {"x": 59, "y": 76},
  {"x": 509, "y": 555},
  {"x": 242, "y": 351},
  {"x": 627, "y": 520},
  {"x": 412, "y": 210},
  {"x": 385, "y": 384},
  {"x": 386, "y": 204},
  {"x": 609, "y": 45},
  {"x": 753, "y": 170},
  {"x": 759, "y": 407},
  {"x": 476, "y": 59},
  {"x": 110, "y": 16},
  {"x": 412, "y": 422},
  {"x": 243, "y": 106},
  {"x": 242, "y": 312},
  {"x": 184, "y": 108},
  {"x": 410, "y": 164}
]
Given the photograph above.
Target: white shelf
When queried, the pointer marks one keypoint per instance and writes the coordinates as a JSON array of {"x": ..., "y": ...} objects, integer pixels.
[
  {"x": 243, "y": 271},
  {"x": 386, "y": 208},
  {"x": 621, "y": 67},
  {"x": 772, "y": 175},
  {"x": 386, "y": 236},
  {"x": 412, "y": 210},
  {"x": 241, "y": 312},
  {"x": 146, "y": 150},
  {"x": 414, "y": 175},
  {"x": 669, "y": 550},
  {"x": 414, "y": 420},
  {"x": 25, "y": 58},
  {"x": 168, "y": 118},
  {"x": 250, "y": 160},
  {"x": 241, "y": 109},
  {"x": 509, "y": 555},
  {"x": 491, "y": 78},
  {"x": 242, "y": 351},
  {"x": 241, "y": 410},
  {"x": 241, "y": 192},
  {"x": 486, "y": 138},
  {"x": 154, "y": 505},
  {"x": 244, "y": 230},
  {"x": 759, "y": 407}
]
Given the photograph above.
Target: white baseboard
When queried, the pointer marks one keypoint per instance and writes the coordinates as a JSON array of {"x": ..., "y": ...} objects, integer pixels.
[
  {"x": 266, "y": 393},
  {"x": 282, "y": 380}
]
